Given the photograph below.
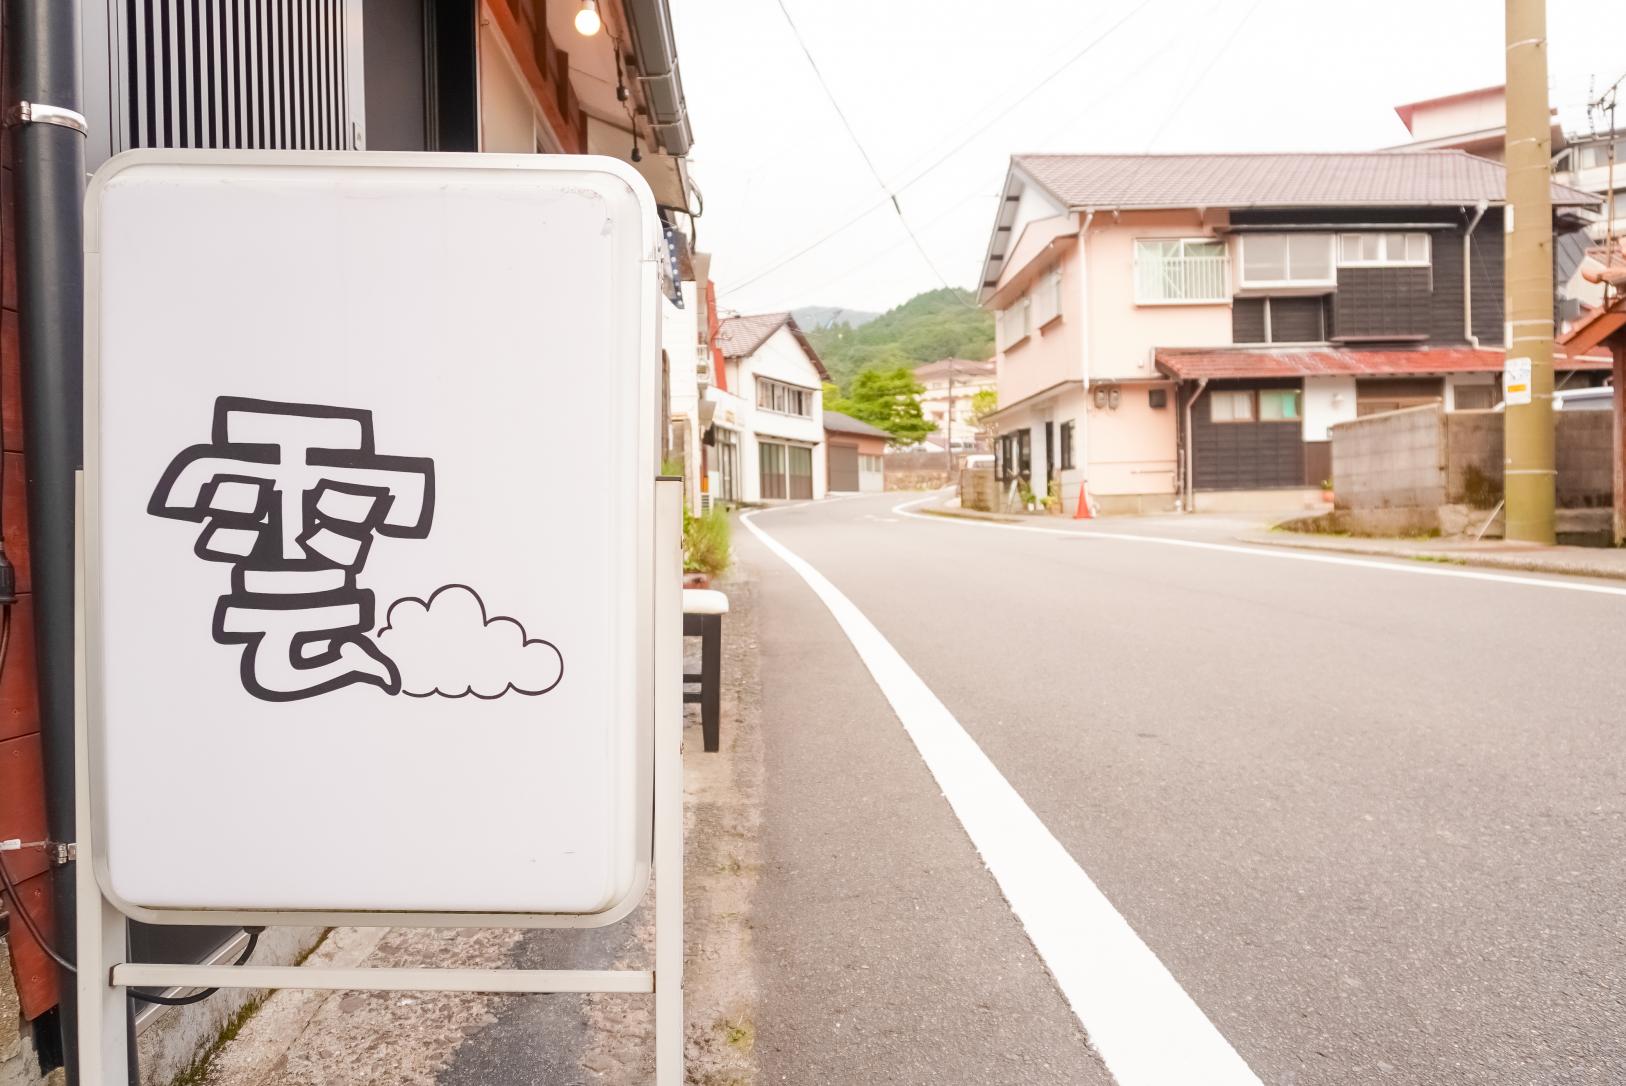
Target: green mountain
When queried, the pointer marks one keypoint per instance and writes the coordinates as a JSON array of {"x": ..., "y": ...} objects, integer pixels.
[{"x": 938, "y": 324}]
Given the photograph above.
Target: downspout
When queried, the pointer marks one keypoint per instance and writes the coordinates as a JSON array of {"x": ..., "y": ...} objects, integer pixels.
[
  {"x": 1085, "y": 327},
  {"x": 49, "y": 165},
  {"x": 1468, "y": 275},
  {"x": 1190, "y": 457}
]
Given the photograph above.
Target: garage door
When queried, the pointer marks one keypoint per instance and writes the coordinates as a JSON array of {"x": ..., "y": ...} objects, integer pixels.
[{"x": 843, "y": 467}]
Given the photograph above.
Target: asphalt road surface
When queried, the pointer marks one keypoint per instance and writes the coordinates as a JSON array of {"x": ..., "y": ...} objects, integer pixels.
[{"x": 1369, "y": 818}]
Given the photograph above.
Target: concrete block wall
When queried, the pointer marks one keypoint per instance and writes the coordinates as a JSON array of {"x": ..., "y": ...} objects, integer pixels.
[
  {"x": 1585, "y": 444},
  {"x": 1428, "y": 458},
  {"x": 1474, "y": 456},
  {"x": 1393, "y": 460}
]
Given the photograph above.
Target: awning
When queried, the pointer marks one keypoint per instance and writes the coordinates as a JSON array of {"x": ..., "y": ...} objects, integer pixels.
[{"x": 1189, "y": 365}]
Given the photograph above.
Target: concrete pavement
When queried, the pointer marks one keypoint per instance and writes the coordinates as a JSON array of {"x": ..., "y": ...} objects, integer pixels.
[{"x": 1369, "y": 821}]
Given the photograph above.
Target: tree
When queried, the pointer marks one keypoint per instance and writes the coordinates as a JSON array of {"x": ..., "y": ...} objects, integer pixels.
[
  {"x": 984, "y": 402},
  {"x": 889, "y": 399}
]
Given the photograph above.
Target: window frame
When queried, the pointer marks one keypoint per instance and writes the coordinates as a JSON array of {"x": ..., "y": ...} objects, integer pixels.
[
  {"x": 1384, "y": 260},
  {"x": 1297, "y": 396},
  {"x": 782, "y": 397},
  {"x": 1064, "y": 442},
  {"x": 1252, "y": 396},
  {"x": 1139, "y": 246},
  {"x": 1291, "y": 282}
]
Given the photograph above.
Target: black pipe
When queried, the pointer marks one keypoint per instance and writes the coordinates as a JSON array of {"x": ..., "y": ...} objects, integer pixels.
[{"x": 49, "y": 168}]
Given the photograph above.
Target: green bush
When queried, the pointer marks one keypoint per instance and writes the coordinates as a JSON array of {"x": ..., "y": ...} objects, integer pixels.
[{"x": 706, "y": 541}]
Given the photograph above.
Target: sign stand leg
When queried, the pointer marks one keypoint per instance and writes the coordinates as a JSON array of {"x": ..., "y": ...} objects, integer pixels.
[
  {"x": 101, "y": 936},
  {"x": 668, "y": 783}
]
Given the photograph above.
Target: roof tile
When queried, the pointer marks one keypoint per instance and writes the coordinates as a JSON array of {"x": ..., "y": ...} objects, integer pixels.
[{"x": 1367, "y": 179}]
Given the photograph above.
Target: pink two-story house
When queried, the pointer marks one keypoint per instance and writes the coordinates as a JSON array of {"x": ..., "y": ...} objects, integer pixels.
[{"x": 1179, "y": 331}]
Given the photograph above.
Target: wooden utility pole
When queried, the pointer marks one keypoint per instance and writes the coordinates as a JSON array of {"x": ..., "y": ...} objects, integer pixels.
[{"x": 1529, "y": 476}]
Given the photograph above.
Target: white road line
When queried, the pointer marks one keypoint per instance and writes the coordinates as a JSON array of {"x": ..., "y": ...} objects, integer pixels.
[
  {"x": 1399, "y": 566},
  {"x": 1145, "y": 1027}
]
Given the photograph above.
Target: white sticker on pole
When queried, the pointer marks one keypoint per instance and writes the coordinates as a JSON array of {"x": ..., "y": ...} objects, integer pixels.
[
  {"x": 1516, "y": 382},
  {"x": 369, "y": 504}
]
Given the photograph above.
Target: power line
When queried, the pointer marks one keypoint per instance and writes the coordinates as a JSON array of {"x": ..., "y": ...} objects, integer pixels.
[
  {"x": 876, "y": 173},
  {"x": 1215, "y": 59},
  {"x": 950, "y": 153}
]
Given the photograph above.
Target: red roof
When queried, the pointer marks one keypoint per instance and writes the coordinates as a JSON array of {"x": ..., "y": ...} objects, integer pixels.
[{"x": 1336, "y": 362}]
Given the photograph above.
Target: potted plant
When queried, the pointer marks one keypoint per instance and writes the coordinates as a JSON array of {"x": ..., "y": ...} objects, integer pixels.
[{"x": 1326, "y": 491}]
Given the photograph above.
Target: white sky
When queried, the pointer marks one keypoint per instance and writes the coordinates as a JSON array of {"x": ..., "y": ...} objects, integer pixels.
[{"x": 915, "y": 77}]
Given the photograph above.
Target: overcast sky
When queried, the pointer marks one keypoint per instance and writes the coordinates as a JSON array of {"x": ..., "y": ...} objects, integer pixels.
[{"x": 916, "y": 77}]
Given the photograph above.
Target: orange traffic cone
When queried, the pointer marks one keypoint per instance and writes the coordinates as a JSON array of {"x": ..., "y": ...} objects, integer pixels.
[{"x": 1084, "y": 512}]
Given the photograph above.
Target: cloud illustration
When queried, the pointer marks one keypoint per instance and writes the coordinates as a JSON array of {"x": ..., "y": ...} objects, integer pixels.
[{"x": 448, "y": 646}]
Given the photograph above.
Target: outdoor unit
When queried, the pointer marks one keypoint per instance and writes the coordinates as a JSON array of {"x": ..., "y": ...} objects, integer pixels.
[{"x": 247, "y": 74}]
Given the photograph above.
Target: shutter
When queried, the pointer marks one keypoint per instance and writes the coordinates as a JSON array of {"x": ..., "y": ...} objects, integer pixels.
[{"x": 252, "y": 74}]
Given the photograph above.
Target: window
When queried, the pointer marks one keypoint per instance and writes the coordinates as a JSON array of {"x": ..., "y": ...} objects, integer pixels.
[
  {"x": 1014, "y": 455},
  {"x": 1173, "y": 270},
  {"x": 1013, "y": 325},
  {"x": 784, "y": 399},
  {"x": 870, "y": 463},
  {"x": 1279, "y": 405},
  {"x": 1357, "y": 250},
  {"x": 1065, "y": 437},
  {"x": 1225, "y": 406},
  {"x": 1593, "y": 155},
  {"x": 786, "y": 470},
  {"x": 1475, "y": 397},
  {"x": 1287, "y": 260},
  {"x": 1047, "y": 298}
]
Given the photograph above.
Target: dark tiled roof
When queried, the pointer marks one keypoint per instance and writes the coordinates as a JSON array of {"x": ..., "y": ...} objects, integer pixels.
[
  {"x": 1334, "y": 362},
  {"x": 846, "y": 424},
  {"x": 1362, "y": 179},
  {"x": 740, "y": 336}
]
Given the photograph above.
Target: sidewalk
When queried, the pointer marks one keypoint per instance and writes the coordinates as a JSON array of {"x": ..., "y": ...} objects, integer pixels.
[{"x": 1604, "y": 562}]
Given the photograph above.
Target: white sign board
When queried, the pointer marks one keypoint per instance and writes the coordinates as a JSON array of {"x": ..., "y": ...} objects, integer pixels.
[
  {"x": 1516, "y": 382},
  {"x": 369, "y": 473}
]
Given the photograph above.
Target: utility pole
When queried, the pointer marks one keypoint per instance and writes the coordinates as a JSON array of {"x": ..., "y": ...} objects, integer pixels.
[
  {"x": 948, "y": 422},
  {"x": 1529, "y": 475}
]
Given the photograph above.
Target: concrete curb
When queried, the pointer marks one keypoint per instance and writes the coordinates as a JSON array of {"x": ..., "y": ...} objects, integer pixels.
[{"x": 1511, "y": 563}]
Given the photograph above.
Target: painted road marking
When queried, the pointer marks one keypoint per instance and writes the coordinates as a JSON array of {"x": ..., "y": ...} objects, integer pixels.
[
  {"x": 1144, "y": 1026},
  {"x": 1403, "y": 566}
]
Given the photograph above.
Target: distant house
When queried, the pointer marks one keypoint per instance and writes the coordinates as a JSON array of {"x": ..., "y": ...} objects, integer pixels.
[
  {"x": 767, "y": 428},
  {"x": 853, "y": 450},
  {"x": 946, "y": 402},
  {"x": 1180, "y": 330}
]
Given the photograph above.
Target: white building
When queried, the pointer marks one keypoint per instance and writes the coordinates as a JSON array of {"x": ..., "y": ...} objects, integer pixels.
[
  {"x": 768, "y": 419},
  {"x": 948, "y": 386},
  {"x": 687, "y": 368}
]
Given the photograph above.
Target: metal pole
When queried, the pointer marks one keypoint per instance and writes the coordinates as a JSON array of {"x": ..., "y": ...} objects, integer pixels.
[
  {"x": 669, "y": 783},
  {"x": 1620, "y": 444},
  {"x": 948, "y": 423},
  {"x": 1529, "y": 474},
  {"x": 50, "y": 172}
]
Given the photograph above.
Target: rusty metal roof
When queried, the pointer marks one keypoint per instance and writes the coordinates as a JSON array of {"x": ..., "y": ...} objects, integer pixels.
[
  {"x": 1357, "y": 179},
  {"x": 1220, "y": 364}
]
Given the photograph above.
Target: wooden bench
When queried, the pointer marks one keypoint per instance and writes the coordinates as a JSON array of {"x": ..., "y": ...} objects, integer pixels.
[{"x": 703, "y": 611}]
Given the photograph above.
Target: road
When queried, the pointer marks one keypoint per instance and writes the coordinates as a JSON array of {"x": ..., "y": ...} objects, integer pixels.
[{"x": 1367, "y": 818}]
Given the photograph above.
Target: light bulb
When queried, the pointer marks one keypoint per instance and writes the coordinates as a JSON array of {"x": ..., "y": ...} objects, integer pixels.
[{"x": 587, "y": 20}]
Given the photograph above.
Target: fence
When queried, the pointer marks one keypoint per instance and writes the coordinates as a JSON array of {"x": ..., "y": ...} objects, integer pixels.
[{"x": 1424, "y": 459}]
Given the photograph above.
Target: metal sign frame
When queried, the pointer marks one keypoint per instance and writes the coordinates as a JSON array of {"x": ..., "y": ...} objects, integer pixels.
[{"x": 104, "y": 968}]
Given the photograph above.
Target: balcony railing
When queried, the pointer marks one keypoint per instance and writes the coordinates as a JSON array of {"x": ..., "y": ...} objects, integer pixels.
[{"x": 1180, "y": 279}]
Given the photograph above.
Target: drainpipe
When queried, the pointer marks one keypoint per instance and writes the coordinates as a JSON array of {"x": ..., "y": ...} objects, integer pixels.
[
  {"x": 1085, "y": 327},
  {"x": 49, "y": 165},
  {"x": 1468, "y": 277},
  {"x": 1190, "y": 458}
]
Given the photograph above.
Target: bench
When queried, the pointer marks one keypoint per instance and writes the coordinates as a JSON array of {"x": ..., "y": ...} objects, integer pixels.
[{"x": 703, "y": 611}]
